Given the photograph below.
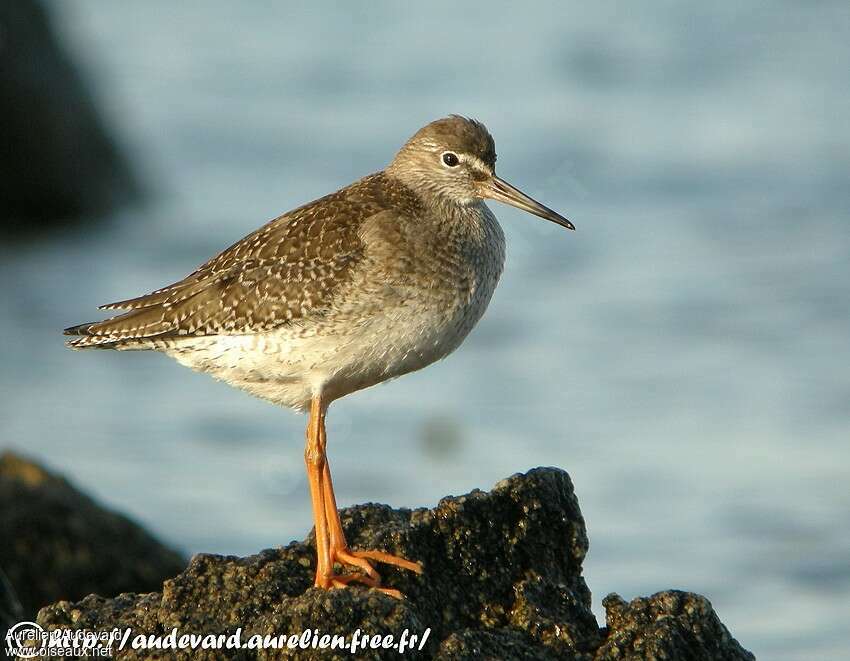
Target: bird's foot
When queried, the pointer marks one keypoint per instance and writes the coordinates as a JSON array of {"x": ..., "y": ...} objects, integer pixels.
[
  {"x": 342, "y": 581},
  {"x": 364, "y": 572},
  {"x": 388, "y": 559}
]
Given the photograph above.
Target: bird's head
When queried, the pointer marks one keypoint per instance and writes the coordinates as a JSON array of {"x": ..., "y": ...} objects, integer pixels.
[{"x": 454, "y": 160}]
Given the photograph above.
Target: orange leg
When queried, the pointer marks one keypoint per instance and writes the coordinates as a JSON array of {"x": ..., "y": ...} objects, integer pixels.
[
  {"x": 314, "y": 458},
  {"x": 331, "y": 546},
  {"x": 339, "y": 547},
  {"x": 339, "y": 551}
]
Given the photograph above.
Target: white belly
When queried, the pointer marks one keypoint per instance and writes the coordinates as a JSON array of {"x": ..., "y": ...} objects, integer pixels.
[{"x": 291, "y": 365}]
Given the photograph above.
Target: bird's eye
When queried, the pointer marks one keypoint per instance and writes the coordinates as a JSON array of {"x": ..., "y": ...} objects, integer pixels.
[{"x": 450, "y": 159}]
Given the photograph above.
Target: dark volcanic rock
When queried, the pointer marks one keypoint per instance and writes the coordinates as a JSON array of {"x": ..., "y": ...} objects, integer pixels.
[
  {"x": 57, "y": 161},
  {"x": 11, "y": 610},
  {"x": 502, "y": 580},
  {"x": 489, "y": 559},
  {"x": 59, "y": 544},
  {"x": 667, "y": 625}
]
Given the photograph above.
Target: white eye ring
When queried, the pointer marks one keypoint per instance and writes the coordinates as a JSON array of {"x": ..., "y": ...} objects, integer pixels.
[{"x": 450, "y": 159}]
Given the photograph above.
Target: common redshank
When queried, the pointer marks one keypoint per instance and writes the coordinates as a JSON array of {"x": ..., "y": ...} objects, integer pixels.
[{"x": 378, "y": 279}]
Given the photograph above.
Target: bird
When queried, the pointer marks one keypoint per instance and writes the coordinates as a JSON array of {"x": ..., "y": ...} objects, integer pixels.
[{"x": 378, "y": 279}]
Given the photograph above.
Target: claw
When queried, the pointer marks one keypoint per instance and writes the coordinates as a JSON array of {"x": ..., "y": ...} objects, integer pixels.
[{"x": 392, "y": 592}]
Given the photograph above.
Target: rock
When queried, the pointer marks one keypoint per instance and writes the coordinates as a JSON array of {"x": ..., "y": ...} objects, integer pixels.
[
  {"x": 11, "y": 610},
  {"x": 58, "y": 161},
  {"x": 667, "y": 625},
  {"x": 59, "y": 544},
  {"x": 495, "y": 644},
  {"x": 502, "y": 580}
]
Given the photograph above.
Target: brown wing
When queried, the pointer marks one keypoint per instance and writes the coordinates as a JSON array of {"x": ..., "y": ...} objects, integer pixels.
[{"x": 289, "y": 269}]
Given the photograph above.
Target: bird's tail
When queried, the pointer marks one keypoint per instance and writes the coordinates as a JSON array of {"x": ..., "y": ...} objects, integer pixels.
[
  {"x": 86, "y": 339},
  {"x": 137, "y": 329}
]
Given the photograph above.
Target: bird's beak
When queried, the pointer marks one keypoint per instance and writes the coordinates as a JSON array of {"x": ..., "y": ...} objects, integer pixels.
[{"x": 501, "y": 190}]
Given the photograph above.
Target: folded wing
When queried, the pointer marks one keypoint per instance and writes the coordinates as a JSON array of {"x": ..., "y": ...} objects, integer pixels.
[{"x": 287, "y": 270}]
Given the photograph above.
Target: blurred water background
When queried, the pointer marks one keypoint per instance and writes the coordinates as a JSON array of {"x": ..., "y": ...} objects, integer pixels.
[{"x": 684, "y": 354}]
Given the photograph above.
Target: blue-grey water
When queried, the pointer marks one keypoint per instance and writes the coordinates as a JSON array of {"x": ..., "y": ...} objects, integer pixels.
[{"x": 685, "y": 354}]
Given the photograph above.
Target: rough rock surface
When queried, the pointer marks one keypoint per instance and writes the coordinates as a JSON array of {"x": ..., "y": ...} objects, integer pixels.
[
  {"x": 59, "y": 544},
  {"x": 667, "y": 625},
  {"x": 502, "y": 580},
  {"x": 11, "y": 610}
]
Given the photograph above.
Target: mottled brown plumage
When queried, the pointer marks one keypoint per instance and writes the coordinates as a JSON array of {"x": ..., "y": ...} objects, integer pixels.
[{"x": 290, "y": 268}]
